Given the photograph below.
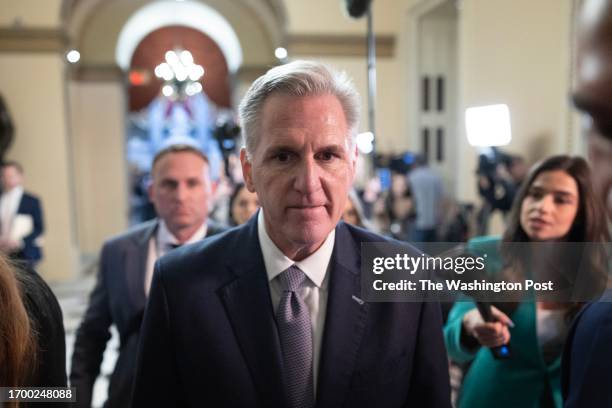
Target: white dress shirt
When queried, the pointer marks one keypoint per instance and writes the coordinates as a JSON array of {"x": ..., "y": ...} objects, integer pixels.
[
  {"x": 314, "y": 290},
  {"x": 9, "y": 203},
  {"x": 160, "y": 243}
]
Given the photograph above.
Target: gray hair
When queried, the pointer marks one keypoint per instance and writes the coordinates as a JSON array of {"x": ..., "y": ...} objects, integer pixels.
[{"x": 298, "y": 78}]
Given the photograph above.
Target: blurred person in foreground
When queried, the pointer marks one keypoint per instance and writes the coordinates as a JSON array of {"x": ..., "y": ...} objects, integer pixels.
[
  {"x": 180, "y": 191},
  {"x": 588, "y": 355},
  {"x": 32, "y": 338},
  {"x": 557, "y": 203},
  {"x": 270, "y": 314}
]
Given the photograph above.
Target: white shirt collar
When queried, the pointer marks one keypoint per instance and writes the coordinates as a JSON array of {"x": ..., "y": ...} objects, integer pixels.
[
  {"x": 165, "y": 238},
  {"x": 16, "y": 191},
  {"x": 314, "y": 266}
]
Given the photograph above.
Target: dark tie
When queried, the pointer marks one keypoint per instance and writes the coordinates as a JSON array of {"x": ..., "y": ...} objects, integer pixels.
[
  {"x": 295, "y": 332},
  {"x": 173, "y": 246}
]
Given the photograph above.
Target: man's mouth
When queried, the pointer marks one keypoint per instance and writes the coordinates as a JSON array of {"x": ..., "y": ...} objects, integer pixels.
[{"x": 306, "y": 209}]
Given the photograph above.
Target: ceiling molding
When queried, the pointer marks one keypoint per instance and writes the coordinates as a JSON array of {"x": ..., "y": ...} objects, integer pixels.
[
  {"x": 339, "y": 45},
  {"x": 97, "y": 73},
  {"x": 249, "y": 73},
  {"x": 32, "y": 40}
]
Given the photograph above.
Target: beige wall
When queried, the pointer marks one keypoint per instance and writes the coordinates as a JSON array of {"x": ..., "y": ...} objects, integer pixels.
[
  {"x": 517, "y": 53},
  {"x": 389, "y": 136},
  {"x": 329, "y": 17},
  {"x": 30, "y": 13},
  {"x": 33, "y": 86},
  {"x": 100, "y": 175}
]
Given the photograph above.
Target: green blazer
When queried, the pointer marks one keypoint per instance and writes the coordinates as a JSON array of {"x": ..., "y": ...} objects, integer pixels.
[{"x": 518, "y": 382}]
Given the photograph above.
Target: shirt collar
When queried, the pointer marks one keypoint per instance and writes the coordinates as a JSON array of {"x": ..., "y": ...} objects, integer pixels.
[
  {"x": 314, "y": 266},
  {"x": 165, "y": 238},
  {"x": 15, "y": 191}
]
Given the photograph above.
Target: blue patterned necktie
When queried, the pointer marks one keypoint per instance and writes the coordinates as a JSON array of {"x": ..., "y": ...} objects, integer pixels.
[{"x": 295, "y": 332}]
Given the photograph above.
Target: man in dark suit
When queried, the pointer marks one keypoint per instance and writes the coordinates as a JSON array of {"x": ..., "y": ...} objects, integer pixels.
[
  {"x": 270, "y": 314},
  {"x": 180, "y": 191},
  {"x": 587, "y": 356},
  {"x": 21, "y": 218}
]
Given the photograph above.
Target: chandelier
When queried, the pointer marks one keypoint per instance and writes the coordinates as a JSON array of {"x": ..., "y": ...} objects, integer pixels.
[{"x": 180, "y": 74}]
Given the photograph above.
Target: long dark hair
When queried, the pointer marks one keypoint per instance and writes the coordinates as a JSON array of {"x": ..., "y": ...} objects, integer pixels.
[
  {"x": 588, "y": 225},
  {"x": 237, "y": 188},
  {"x": 18, "y": 344}
]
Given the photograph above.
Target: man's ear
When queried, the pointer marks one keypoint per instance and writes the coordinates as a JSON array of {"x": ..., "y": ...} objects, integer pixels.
[
  {"x": 247, "y": 168},
  {"x": 354, "y": 155}
]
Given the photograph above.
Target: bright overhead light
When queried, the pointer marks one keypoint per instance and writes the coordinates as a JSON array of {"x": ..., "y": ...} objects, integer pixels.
[
  {"x": 167, "y": 90},
  {"x": 488, "y": 125},
  {"x": 186, "y": 58},
  {"x": 280, "y": 53},
  {"x": 365, "y": 142},
  {"x": 164, "y": 71},
  {"x": 180, "y": 67},
  {"x": 171, "y": 57},
  {"x": 181, "y": 74},
  {"x": 193, "y": 88},
  {"x": 73, "y": 56},
  {"x": 196, "y": 72},
  {"x": 179, "y": 64},
  {"x": 193, "y": 75}
]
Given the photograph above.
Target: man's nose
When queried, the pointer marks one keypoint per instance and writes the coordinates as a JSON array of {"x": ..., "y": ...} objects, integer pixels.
[
  {"x": 181, "y": 191},
  {"x": 307, "y": 179}
]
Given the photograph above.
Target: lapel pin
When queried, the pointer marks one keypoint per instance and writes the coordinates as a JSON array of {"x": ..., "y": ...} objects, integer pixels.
[{"x": 356, "y": 299}]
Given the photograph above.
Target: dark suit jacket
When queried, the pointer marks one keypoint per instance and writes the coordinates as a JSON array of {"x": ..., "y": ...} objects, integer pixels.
[
  {"x": 31, "y": 251},
  {"x": 585, "y": 376},
  {"x": 118, "y": 298},
  {"x": 210, "y": 338}
]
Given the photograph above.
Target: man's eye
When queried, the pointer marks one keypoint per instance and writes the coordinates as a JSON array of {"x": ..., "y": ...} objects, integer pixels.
[
  {"x": 282, "y": 157},
  {"x": 326, "y": 156}
]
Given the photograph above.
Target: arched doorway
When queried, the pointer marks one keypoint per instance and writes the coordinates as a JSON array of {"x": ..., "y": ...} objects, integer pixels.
[
  {"x": 247, "y": 31},
  {"x": 173, "y": 109}
]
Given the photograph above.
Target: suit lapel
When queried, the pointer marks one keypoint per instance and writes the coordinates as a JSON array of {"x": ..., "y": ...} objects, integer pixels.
[
  {"x": 135, "y": 261},
  {"x": 21, "y": 205},
  {"x": 249, "y": 308},
  {"x": 344, "y": 322}
]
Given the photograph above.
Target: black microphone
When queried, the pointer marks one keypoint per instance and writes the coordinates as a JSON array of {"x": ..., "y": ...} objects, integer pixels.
[
  {"x": 502, "y": 352},
  {"x": 357, "y": 8}
]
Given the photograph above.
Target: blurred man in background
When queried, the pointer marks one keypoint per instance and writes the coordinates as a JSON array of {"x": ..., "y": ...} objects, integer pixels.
[{"x": 21, "y": 218}]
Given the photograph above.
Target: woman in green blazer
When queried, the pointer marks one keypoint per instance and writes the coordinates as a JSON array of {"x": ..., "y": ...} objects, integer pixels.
[{"x": 556, "y": 203}]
